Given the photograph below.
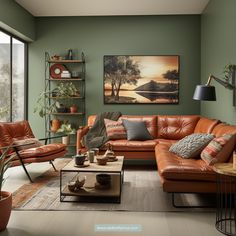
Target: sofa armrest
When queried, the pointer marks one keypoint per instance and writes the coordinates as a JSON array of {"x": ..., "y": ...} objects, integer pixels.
[{"x": 83, "y": 130}]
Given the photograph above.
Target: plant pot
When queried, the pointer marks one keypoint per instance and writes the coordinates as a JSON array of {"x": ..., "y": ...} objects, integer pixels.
[
  {"x": 66, "y": 140},
  {"x": 5, "y": 209},
  {"x": 73, "y": 109}
]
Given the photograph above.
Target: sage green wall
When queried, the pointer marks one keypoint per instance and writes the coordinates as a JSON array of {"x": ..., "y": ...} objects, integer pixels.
[
  {"x": 99, "y": 36},
  {"x": 17, "y": 20},
  {"x": 218, "y": 49}
]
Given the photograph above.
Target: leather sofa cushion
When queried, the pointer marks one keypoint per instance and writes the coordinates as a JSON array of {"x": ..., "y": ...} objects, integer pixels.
[
  {"x": 150, "y": 121},
  {"x": 176, "y": 127},
  {"x": 125, "y": 145},
  {"x": 172, "y": 167},
  {"x": 14, "y": 131},
  {"x": 45, "y": 150},
  {"x": 205, "y": 125}
]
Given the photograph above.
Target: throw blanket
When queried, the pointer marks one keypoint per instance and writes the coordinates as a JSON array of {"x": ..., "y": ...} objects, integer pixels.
[{"x": 97, "y": 135}]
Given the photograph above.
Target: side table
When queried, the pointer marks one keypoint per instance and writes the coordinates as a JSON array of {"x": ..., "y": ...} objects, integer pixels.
[{"x": 226, "y": 198}]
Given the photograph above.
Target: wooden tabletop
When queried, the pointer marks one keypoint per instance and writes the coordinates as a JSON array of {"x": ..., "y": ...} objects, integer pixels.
[
  {"x": 115, "y": 166},
  {"x": 224, "y": 169}
]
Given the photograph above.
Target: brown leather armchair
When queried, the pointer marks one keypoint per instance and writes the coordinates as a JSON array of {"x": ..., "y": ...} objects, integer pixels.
[{"x": 10, "y": 133}]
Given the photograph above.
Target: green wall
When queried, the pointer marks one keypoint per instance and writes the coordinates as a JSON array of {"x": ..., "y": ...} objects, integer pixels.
[
  {"x": 217, "y": 50},
  {"x": 17, "y": 20},
  {"x": 99, "y": 36}
]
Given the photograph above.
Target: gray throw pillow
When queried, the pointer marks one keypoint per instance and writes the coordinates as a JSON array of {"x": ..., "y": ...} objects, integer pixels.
[
  {"x": 191, "y": 145},
  {"x": 136, "y": 130}
]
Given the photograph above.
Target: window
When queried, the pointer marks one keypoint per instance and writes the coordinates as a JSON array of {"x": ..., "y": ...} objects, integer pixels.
[{"x": 12, "y": 78}]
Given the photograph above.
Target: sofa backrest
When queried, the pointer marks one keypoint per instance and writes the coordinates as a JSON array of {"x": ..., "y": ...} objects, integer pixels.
[
  {"x": 14, "y": 131},
  {"x": 176, "y": 127},
  {"x": 205, "y": 125},
  {"x": 151, "y": 122},
  {"x": 223, "y": 128}
]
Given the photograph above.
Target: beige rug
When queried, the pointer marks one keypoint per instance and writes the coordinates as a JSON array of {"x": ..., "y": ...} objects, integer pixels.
[{"x": 141, "y": 192}]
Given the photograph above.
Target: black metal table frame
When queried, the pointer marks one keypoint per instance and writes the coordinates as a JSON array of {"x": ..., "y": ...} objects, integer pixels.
[
  {"x": 117, "y": 199},
  {"x": 226, "y": 200}
]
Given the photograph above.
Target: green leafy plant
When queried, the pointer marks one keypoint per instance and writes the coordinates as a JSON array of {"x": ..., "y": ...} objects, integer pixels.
[
  {"x": 66, "y": 129},
  {"x": 3, "y": 111},
  {"x": 228, "y": 70},
  {"x": 4, "y": 164},
  {"x": 63, "y": 90}
]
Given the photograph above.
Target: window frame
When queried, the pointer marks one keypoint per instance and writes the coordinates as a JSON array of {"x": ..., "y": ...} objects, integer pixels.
[{"x": 26, "y": 74}]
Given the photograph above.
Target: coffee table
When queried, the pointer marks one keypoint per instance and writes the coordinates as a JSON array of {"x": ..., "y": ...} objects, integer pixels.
[{"x": 89, "y": 193}]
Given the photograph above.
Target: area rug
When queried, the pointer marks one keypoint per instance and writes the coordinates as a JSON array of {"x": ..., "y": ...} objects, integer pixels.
[{"x": 141, "y": 192}]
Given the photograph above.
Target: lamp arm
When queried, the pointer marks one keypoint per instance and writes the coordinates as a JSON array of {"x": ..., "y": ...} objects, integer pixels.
[{"x": 223, "y": 83}]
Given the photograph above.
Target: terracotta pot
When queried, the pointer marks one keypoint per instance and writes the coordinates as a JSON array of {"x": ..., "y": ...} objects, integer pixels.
[
  {"x": 55, "y": 125},
  {"x": 73, "y": 109},
  {"x": 5, "y": 209},
  {"x": 66, "y": 140}
]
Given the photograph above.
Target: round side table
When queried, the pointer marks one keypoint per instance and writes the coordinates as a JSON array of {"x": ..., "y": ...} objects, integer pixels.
[{"x": 226, "y": 198}]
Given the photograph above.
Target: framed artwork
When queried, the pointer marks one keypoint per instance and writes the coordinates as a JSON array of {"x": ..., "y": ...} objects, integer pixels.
[{"x": 141, "y": 79}]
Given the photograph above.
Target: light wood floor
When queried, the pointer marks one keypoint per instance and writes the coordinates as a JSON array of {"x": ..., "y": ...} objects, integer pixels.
[{"x": 82, "y": 223}]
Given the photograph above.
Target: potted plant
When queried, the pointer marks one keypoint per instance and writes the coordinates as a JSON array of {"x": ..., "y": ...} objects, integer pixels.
[
  {"x": 5, "y": 197},
  {"x": 63, "y": 90},
  {"x": 67, "y": 130}
]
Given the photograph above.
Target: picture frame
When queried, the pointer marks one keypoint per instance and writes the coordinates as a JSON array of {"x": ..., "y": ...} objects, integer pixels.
[{"x": 134, "y": 79}]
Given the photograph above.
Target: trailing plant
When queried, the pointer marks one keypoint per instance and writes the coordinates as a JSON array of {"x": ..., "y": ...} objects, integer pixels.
[
  {"x": 66, "y": 129},
  {"x": 63, "y": 90},
  {"x": 4, "y": 164}
]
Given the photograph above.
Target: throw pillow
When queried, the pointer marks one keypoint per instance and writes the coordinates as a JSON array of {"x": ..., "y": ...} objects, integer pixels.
[
  {"x": 219, "y": 149},
  {"x": 27, "y": 143},
  {"x": 191, "y": 145},
  {"x": 115, "y": 129},
  {"x": 136, "y": 130}
]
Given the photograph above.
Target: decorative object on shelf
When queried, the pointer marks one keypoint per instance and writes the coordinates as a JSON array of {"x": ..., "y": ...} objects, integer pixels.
[
  {"x": 73, "y": 109},
  {"x": 56, "y": 70},
  {"x": 102, "y": 160},
  {"x": 141, "y": 79},
  {"x": 207, "y": 92},
  {"x": 56, "y": 58},
  {"x": 70, "y": 54},
  {"x": 5, "y": 197},
  {"x": 62, "y": 108},
  {"x": 66, "y": 130},
  {"x": 55, "y": 125},
  {"x": 75, "y": 74},
  {"x": 65, "y": 74}
]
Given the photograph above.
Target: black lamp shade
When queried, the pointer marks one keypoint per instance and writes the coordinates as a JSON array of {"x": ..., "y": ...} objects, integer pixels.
[{"x": 205, "y": 93}]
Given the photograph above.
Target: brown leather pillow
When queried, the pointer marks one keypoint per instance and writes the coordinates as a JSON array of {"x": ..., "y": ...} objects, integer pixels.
[{"x": 32, "y": 143}]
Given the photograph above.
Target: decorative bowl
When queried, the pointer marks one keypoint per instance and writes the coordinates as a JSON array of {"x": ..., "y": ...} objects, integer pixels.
[
  {"x": 102, "y": 160},
  {"x": 103, "y": 179}
]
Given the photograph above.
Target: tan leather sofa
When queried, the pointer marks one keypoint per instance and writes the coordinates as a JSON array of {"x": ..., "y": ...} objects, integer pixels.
[{"x": 177, "y": 174}]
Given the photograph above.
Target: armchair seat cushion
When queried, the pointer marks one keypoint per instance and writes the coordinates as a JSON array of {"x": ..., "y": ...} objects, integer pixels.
[
  {"x": 173, "y": 167},
  {"x": 125, "y": 145},
  {"x": 42, "y": 151}
]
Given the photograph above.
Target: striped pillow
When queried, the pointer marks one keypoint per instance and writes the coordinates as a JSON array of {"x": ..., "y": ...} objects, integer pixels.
[
  {"x": 115, "y": 129},
  {"x": 219, "y": 149}
]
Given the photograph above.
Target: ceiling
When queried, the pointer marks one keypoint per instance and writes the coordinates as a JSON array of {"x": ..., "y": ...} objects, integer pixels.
[{"x": 112, "y": 7}]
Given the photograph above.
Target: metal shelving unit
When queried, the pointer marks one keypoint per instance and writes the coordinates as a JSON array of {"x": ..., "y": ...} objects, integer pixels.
[{"x": 76, "y": 119}]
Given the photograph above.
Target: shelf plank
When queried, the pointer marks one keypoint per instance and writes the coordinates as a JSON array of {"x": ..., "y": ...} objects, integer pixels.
[
  {"x": 68, "y": 79},
  {"x": 65, "y": 61},
  {"x": 66, "y": 97},
  {"x": 67, "y": 114}
]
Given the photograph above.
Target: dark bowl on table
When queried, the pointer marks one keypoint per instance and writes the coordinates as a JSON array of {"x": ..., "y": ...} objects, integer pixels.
[
  {"x": 103, "y": 179},
  {"x": 79, "y": 159}
]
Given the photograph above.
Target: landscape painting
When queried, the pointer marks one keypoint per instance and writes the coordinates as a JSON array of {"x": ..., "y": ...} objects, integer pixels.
[{"x": 141, "y": 79}]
